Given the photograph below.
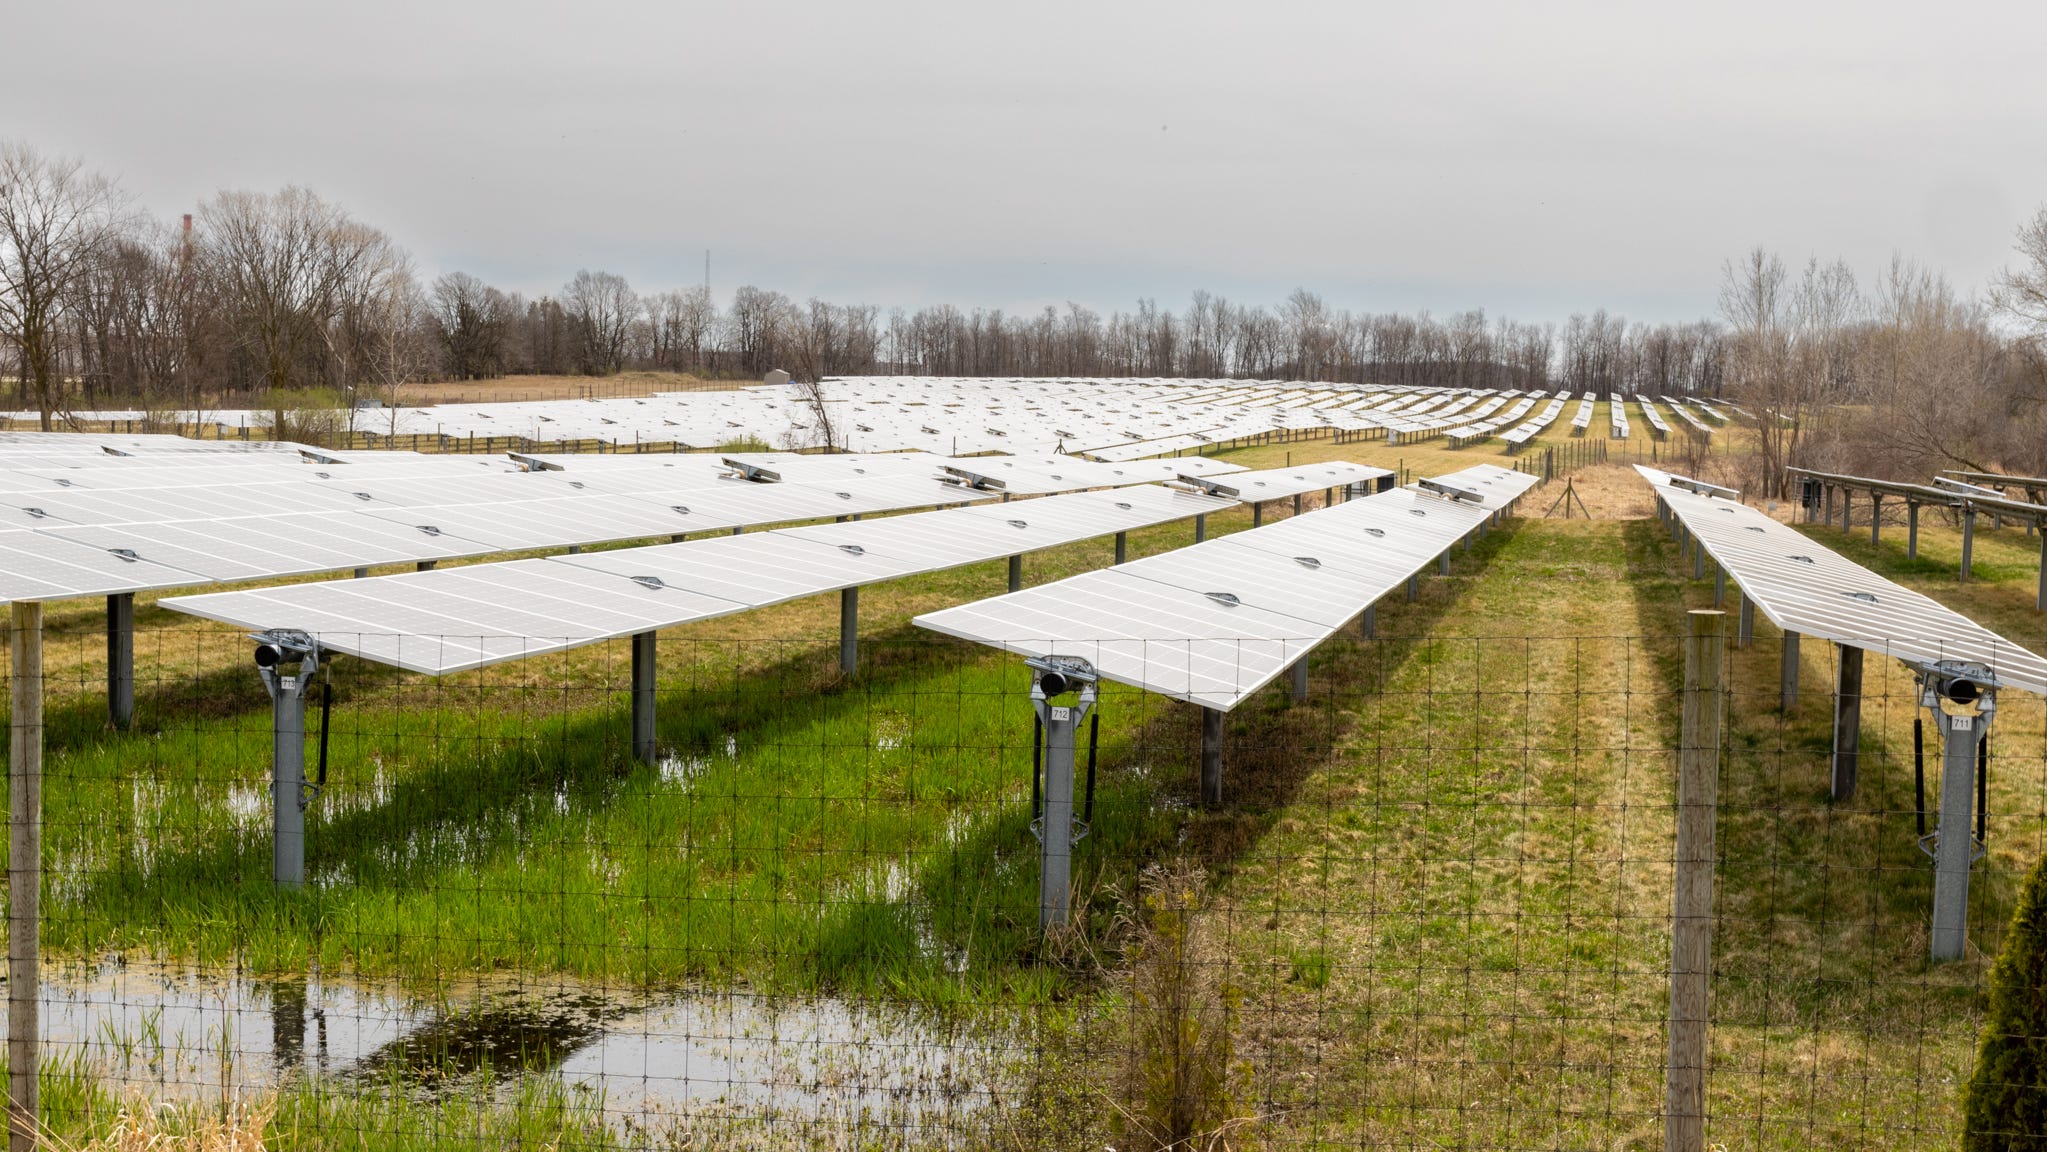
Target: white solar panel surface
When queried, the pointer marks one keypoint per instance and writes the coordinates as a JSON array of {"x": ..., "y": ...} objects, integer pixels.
[
  {"x": 290, "y": 517},
  {"x": 1214, "y": 623},
  {"x": 1804, "y": 587},
  {"x": 1280, "y": 483},
  {"x": 428, "y": 622}
]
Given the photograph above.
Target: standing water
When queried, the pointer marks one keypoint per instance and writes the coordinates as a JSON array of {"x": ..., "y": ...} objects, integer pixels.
[{"x": 651, "y": 1056}]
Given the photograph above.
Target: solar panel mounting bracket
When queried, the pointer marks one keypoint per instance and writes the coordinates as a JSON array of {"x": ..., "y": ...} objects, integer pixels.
[
  {"x": 1449, "y": 491},
  {"x": 1705, "y": 489},
  {"x": 753, "y": 472}
]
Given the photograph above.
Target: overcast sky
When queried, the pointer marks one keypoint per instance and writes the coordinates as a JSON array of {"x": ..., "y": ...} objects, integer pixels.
[{"x": 1530, "y": 159}]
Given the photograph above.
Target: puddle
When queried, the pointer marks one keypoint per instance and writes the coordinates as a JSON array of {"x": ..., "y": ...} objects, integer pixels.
[{"x": 653, "y": 1056}]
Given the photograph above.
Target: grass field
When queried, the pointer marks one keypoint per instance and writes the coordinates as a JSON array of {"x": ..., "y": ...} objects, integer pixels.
[{"x": 1441, "y": 885}]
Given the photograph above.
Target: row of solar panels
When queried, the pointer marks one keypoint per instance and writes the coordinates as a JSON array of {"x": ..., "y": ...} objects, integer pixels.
[
  {"x": 1213, "y": 623},
  {"x": 1108, "y": 419},
  {"x": 103, "y": 526},
  {"x": 1804, "y": 587},
  {"x": 461, "y": 618}
]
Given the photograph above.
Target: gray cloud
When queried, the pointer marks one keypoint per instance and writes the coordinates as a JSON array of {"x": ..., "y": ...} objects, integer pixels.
[{"x": 1530, "y": 159}]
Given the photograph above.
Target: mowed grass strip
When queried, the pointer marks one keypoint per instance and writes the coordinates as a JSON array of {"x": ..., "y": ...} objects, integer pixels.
[{"x": 1480, "y": 865}]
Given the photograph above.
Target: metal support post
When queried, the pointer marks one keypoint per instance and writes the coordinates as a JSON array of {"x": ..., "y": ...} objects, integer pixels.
[
  {"x": 362, "y": 573},
  {"x": 1257, "y": 513},
  {"x": 1876, "y": 517},
  {"x": 1016, "y": 573},
  {"x": 1963, "y": 704},
  {"x": 1847, "y": 510},
  {"x": 1747, "y": 635},
  {"x": 1698, "y": 559},
  {"x": 1055, "y": 827},
  {"x": 1443, "y": 563},
  {"x": 24, "y": 874},
  {"x": 1788, "y": 672},
  {"x": 1297, "y": 503},
  {"x": 2040, "y": 598},
  {"x": 1719, "y": 586},
  {"x": 1847, "y": 721},
  {"x": 1414, "y": 589},
  {"x": 1691, "y": 936},
  {"x": 1122, "y": 538},
  {"x": 1368, "y": 624},
  {"x": 1911, "y": 529},
  {"x": 121, "y": 659},
  {"x": 1201, "y": 528},
  {"x": 1968, "y": 541},
  {"x": 287, "y": 748},
  {"x": 425, "y": 566},
  {"x": 1300, "y": 680},
  {"x": 1211, "y": 755},
  {"x": 849, "y": 630},
  {"x": 643, "y": 696}
]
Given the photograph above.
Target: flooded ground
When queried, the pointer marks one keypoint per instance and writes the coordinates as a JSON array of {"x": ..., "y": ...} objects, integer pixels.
[{"x": 187, "y": 1033}]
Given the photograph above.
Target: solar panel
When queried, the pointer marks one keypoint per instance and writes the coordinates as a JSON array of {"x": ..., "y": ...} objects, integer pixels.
[
  {"x": 942, "y": 540},
  {"x": 46, "y": 569},
  {"x": 549, "y": 523},
  {"x": 1297, "y": 581},
  {"x": 1178, "y": 642},
  {"x": 1804, "y": 587},
  {"x": 1279, "y": 483},
  {"x": 723, "y": 574},
  {"x": 758, "y": 570}
]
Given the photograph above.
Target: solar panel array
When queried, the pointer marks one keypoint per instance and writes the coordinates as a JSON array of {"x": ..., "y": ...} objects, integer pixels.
[
  {"x": 1213, "y": 623},
  {"x": 1110, "y": 419},
  {"x": 105, "y": 525},
  {"x": 1583, "y": 418},
  {"x": 1650, "y": 414},
  {"x": 1808, "y": 589},
  {"x": 456, "y": 619}
]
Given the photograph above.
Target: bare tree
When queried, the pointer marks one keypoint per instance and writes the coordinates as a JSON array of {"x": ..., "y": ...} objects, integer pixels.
[
  {"x": 473, "y": 321},
  {"x": 1752, "y": 302},
  {"x": 2022, "y": 292},
  {"x": 399, "y": 350},
  {"x": 755, "y": 326},
  {"x": 810, "y": 393},
  {"x": 55, "y": 220},
  {"x": 602, "y": 308},
  {"x": 284, "y": 268}
]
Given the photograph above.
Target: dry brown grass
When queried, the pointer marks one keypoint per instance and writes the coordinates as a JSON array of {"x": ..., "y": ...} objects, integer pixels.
[
  {"x": 514, "y": 388},
  {"x": 145, "y": 1127},
  {"x": 1608, "y": 491}
]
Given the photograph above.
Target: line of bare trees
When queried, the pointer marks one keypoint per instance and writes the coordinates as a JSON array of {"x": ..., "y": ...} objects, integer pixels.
[
  {"x": 257, "y": 299},
  {"x": 1895, "y": 378}
]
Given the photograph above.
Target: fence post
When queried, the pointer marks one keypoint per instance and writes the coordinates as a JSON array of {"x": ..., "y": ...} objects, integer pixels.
[
  {"x": 1691, "y": 929},
  {"x": 24, "y": 873}
]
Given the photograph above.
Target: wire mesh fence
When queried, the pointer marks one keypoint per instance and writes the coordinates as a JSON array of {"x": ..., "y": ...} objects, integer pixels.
[{"x": 1433, "y": 907}]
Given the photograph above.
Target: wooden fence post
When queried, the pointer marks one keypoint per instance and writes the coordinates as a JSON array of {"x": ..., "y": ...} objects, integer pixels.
[
  {"x": 1691, "y": 930},
  {"x": 24, "y": 873}
]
